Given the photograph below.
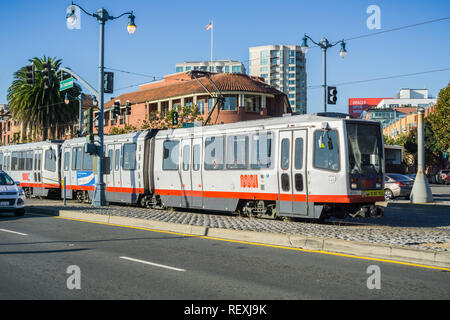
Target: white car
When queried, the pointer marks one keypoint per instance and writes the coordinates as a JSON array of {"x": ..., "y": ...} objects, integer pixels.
[{"x": 12, "y": 197}]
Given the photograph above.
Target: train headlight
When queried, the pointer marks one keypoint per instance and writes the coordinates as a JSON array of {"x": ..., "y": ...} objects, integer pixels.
[{"x": 353, "y": 183}]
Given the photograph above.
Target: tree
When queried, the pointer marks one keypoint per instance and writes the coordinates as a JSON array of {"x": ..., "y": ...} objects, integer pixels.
[
  {"x": 440, "y": 121},
  {"x": 433, "y": 153},
  {"x": 39, "y": 108}
]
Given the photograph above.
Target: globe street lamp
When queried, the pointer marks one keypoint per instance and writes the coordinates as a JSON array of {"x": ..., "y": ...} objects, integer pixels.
[
  {"x": 102, "y": 16},
  {"x": 324, "y": 44}
]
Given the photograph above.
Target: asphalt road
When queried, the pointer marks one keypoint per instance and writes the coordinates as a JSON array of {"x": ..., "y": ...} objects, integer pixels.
[{"x": 44, "y": 257}]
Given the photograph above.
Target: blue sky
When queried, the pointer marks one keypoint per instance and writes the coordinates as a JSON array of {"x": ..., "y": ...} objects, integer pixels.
[{"x": 169, "y": 32}]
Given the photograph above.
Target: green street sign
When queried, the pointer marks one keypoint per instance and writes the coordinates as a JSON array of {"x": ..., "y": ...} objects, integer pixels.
[
  {"x": 65, "y": 84},
  {"x": 188, "y": 125}
]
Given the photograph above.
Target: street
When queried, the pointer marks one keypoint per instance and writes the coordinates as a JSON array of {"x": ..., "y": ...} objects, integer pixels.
[{"x": 44, "y": 257}]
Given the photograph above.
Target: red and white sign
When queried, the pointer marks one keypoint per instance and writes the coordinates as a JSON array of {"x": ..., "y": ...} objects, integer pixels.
[{"x": 356, "y": 106}]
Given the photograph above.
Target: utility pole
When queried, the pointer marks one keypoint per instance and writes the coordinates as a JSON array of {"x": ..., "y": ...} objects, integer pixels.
[{"x": 421, "y": 191}]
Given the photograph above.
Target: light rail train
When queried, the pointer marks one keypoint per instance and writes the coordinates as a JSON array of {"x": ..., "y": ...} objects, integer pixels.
[{"x": 304, "y": 166}]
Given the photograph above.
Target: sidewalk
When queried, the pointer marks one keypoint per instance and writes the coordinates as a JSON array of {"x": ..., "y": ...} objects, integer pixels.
[{"x": 414, "y": 235}]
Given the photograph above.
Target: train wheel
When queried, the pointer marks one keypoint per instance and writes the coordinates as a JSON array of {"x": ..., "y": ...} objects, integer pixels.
[{"x": 79, "y": 196}]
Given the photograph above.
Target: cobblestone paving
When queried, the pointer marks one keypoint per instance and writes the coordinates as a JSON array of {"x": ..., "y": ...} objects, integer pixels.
[{"x": 397, "y": 227}]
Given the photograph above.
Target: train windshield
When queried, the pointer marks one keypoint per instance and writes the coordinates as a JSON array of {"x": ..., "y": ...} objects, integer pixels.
[{"x": 364, "y": 148}]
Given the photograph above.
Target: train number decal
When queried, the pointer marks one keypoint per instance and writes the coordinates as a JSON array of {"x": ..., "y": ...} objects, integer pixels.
[{"x": 249, "y": 181}]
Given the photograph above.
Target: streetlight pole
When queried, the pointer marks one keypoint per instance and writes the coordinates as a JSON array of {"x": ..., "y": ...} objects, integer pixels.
[
  {"x": 102, "y": 16},
  {"x": 324, "y": 44}
]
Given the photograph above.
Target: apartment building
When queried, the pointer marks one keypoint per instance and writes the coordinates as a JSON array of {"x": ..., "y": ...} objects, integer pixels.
[{"x": 282, "y": 67}]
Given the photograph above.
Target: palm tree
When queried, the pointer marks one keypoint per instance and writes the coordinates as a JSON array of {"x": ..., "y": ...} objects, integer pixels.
[{"x": 39, "y": 108}]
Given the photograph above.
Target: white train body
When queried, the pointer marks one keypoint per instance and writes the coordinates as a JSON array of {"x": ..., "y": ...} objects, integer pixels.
[
  {"x": 35, "y": 165},
  {"x": 299, "y": 166}
]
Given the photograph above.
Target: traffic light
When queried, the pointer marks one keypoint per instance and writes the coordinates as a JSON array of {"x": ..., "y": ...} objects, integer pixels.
[
  {"x": 116, "y": 111},
  {"x": 108, "y": 78},
  {"x": 47, "y": 72},
  {"x": 29, "y": 73},
  {"x": 128, "y": 108},
  {"x": 88, "y": 121},
  {"x": 332, "y": 95},
  {"x": 174, "y": 118}
]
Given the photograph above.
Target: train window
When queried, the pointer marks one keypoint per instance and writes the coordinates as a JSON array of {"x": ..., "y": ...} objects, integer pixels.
[
  {"x": 285, "y": 184},
  {"x": 87, "y": 161},
  {"x": 237, "y": 152},
  {"x": 261, "y": 150},
  {"x": 117, "y": 160},
  {"x": 298, "y": 161},
  {"x": 110, "y": 156},
  {"x": 15, "y": 161},
  {"x": 326, "y": 150},
  {"x": 66, "y": 160},
  {"x": 1, "y": 161},
  {"x": 29, "y": 161},
  {"x": 39, "y": 156},
  {"x": 214, "y": 153},
  {"x": 285, "y": 154},
  {"x": 171, "y": 154},
  {"x": 298, "y": 182},
  {"x": 50, "y": 160},
  {"x": 186, "y": 157},
  {"x": 129, "y": 156},
  {"x": 76, "y": 158},
  {"x": 196, "y": 157},
  {"x": 21, "y": 161}
]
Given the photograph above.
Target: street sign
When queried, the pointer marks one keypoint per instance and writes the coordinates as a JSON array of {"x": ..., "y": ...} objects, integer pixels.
[
  {"x": 188, "y": 125},
  {"x": 65, "y": 84}
]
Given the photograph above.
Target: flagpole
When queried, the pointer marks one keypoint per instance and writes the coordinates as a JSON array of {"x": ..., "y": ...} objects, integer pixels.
[{"x": 212, "y": 45}]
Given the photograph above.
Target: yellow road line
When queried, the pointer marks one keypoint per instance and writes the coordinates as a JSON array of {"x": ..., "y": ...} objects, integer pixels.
[{"x": 264, "y": 245}]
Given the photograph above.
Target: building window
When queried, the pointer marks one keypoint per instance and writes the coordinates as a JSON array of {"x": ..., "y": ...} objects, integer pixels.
[
  {"x": 230, "y": 103},
  {"x": 252, "y": 103},
  {"x": 264, "y": 58},
  {"x": 236, "y": 69},
  {"x": 179, "y": 69},
  {"x": 227, "y": 69}
]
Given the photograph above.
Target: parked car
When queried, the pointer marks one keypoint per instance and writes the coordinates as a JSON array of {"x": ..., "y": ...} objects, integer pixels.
[
  {"x": 443, "y": 176},
  {"x": 397, "y": 185},
  {"x": 412, "y": 176},
  {"x": 12, "y": 197}
]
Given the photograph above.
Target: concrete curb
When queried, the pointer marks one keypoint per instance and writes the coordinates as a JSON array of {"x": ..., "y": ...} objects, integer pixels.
[{"x": 314, "y": 244}]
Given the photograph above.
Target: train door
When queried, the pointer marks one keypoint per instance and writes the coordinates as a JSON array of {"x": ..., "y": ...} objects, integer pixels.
[
  {"x": 292, "y": 173},
  {"x": 196, "y": 174},
  {"x": 116, "y": 171},
  {"x": 299, "y": 179},
  {"x": 109, "y": 175},
  {"x": 37, "y": 168},
  {"x": 185, "y": 173},
  {"x": 66, "y": 171}
]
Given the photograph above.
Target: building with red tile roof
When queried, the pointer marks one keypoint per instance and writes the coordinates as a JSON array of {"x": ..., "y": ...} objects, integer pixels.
[{"x": 246, "y": 98}]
